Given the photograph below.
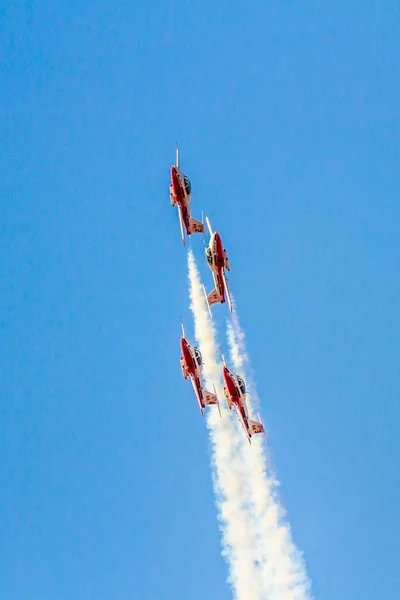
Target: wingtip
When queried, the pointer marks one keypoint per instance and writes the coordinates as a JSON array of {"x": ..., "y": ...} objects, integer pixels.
[
  {"x": 219, "y": 407},
  {"x": 182, "y": 327},
  {"x": 264, "y": 432},
  {"x": 208, "y": 306}
]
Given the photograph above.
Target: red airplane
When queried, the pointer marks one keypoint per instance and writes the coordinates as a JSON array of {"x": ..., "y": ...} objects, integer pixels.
[
  {"x": 235, "y": 393},
  {"x": 218, "y": 261},
  {"x": 180, "y": 190},
  {"x": 191, "y": 362}
]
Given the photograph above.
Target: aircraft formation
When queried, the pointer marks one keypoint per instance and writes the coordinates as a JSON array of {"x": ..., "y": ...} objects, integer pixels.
[{"x": 180, "y": 191}]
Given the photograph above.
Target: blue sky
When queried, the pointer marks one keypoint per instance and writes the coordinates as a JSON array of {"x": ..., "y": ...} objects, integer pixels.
[{"x": 288, "y": 122}]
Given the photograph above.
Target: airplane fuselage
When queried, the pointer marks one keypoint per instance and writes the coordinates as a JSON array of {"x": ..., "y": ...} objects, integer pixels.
[
  {"x": 179, "y": 196},
  {"x": 236, "y": 399},
  {"x": 216, "y": 259},
  {"x": 192, "y": 369},
  {"x": 188, "y": 358}
]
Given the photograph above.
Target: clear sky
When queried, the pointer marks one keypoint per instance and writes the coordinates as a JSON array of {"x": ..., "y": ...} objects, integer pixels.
[{"x": 287, "y": 116}]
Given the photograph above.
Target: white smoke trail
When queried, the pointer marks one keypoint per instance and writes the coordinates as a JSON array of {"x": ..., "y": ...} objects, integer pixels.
[
  {"x": 283, "y": 568},
  {"x": 238, "y": 536}
]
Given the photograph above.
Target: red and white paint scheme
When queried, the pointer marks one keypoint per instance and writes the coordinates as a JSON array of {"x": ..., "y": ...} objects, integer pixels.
[
  {"x": 191, "y": 362},
  {"x": 218, "y": 262},
  {"x": 180, "y": 191},
  {"x": 235, "y": 394}
]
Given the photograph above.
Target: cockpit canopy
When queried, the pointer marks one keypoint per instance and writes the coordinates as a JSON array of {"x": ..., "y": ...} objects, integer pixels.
[
  {"x": 209, "y": 255},
  {"x": 188, "y": 186},
  {"x": 197, "y": 354},
  {"x": 241, "y": 384}
]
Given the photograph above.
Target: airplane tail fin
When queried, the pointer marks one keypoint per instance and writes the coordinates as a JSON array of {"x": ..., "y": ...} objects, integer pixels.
[{"x": 195, "y": 226}]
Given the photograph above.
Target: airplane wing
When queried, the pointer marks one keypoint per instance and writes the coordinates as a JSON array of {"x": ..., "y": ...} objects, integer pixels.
[
  {"x": 181, "y": 224},
  {"x": 243, "y": 423},
  {"x": 209, "y": 226},
  {"x": 197, "y": 394},
  {"x": 216, "y": 397},
  {"x": 204, "y": 236},
  {"x": 228, "y": 294}
]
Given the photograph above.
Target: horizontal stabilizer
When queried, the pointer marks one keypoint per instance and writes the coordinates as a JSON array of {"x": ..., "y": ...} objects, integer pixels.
[
  {"x": 213, "y": 297},
  {"x": 195, "y": 226},
  {"x": 209, "y": 398},
  {"x": 255, "y": 427}
]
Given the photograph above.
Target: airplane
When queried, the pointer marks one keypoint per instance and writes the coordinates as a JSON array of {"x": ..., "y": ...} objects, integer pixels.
[
  {"x": 218, "y": 262},
  {"x": 180, "y": 190},
  {"x": 235, "y": 394},
  {"x": 191, "y": 362}
]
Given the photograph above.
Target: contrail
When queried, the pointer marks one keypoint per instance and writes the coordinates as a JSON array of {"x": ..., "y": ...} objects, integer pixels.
[
  {"x": 284, "y": 574},
  {"x": 237, "y": 527}
]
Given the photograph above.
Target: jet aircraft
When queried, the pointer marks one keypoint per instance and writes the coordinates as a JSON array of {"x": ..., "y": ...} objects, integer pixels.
[
  {"x": 191, "y": 364},
  {"x": 180, "y": 191},
  {"x": 235, "y": 394},
  {"x": 218, "y": 262}
]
